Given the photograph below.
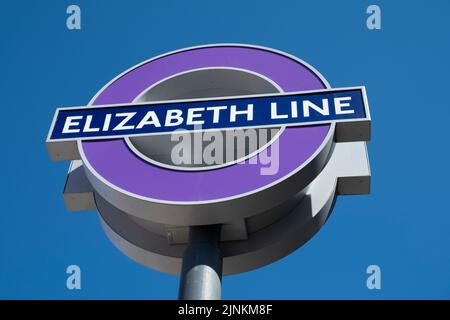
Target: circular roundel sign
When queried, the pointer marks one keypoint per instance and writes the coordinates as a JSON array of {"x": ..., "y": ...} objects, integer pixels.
[{"x": 270, "y": 196}]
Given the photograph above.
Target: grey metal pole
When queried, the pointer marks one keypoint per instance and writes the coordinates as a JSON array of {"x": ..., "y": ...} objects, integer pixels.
[{"x": 201, "y": 272}]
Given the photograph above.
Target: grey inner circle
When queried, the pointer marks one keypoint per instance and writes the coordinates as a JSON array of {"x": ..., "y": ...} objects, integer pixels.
[{"x": 201, "y": 151}]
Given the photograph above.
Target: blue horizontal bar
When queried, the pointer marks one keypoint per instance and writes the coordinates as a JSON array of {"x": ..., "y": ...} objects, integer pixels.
[{"x": 287, "y": 109}]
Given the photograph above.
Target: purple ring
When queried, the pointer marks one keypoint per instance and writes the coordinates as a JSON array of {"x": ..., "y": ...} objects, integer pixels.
[{"x": 117, "y": 164}]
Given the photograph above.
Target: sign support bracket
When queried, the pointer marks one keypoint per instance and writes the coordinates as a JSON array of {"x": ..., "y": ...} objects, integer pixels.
[{"x": 201, "y": 271}]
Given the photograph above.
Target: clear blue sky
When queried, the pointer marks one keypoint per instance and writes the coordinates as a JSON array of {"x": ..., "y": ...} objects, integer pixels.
[{"x": 403, "y": 226}]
